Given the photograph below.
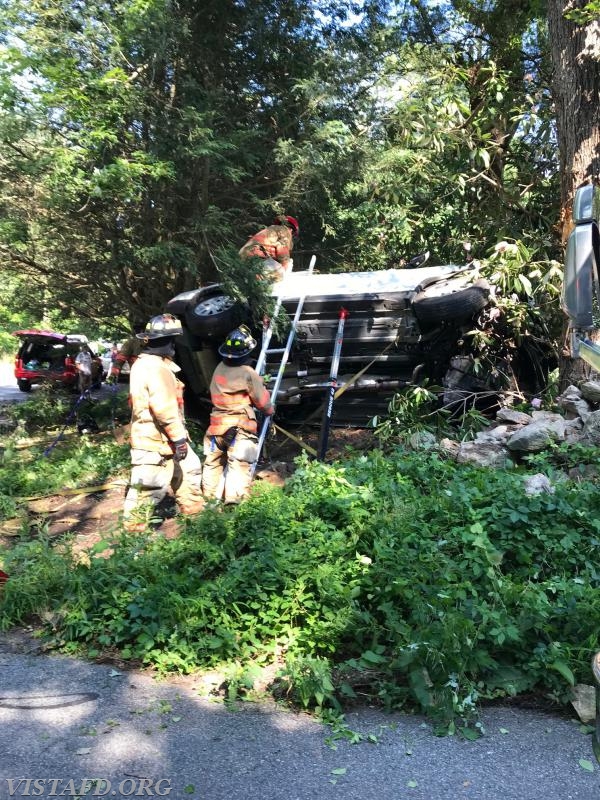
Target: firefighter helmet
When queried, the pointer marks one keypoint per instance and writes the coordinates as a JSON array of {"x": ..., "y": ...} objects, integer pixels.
[
  {"x": 238, "y": 344},
  {"x": 290, "y": 222},
  {"x": 161, "y": 326}
]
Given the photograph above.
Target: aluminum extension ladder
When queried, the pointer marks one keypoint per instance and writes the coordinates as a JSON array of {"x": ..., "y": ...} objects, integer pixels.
[{"x": 285, "y": 354}]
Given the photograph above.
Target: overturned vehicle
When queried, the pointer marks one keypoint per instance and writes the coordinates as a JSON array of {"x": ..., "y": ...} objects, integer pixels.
[{"x": 403, "y": 326}]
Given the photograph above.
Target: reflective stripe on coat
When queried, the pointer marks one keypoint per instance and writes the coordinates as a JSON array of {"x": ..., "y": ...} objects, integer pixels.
[
  {"x": 235, "y": 392},
  {"x": 272, "y": 242}
]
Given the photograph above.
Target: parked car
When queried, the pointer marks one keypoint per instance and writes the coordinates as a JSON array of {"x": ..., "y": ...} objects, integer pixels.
[
  {"x": 107, "y": 360},
  {"x": 403, "y": 325},
  {"x": 48, "y": 356}
]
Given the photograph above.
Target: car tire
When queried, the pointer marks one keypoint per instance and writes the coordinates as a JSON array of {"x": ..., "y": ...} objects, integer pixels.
[
  {"x": 442, "y": 302},
  {"x": 213, "y": 314},
  {"x": 24, "y": 385}
]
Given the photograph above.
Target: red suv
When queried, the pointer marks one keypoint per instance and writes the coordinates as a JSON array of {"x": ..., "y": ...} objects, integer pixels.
[{"x": 48, "y": 356}]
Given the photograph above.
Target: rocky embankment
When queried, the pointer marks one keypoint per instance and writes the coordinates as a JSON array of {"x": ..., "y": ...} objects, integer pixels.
[{"x": 514, "y": 434}]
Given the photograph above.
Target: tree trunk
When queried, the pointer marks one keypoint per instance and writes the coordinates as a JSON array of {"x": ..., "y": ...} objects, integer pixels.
[{"x": 575, "y": 51}]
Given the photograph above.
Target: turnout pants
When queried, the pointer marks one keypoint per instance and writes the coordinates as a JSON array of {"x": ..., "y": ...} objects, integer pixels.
[
  {"x": 227, "y": 462},
  {"x": 151, "y": 476}
]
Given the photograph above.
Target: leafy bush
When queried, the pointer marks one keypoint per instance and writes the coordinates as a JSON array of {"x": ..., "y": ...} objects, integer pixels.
[{"x": 411, "y": 580}]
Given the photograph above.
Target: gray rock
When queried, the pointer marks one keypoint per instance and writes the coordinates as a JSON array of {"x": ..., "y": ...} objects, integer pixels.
[
  {"x": 591, "y": 428},
  {"x": 423, "y": 440},
  {"x": 513, "y": 417},
  {"x": 483, "y": 454},
  {"x": 537, "y": 436},
  {"x": 548, "y": 416},
  {"x": 496, "y": 433},
  {"x": 584, "y": 701},
  {"x": 538, "y": 484},
  {"x": 570, "y": 393},
  {"x": 449, "y": 447},
  {"x": 584, "y": 472},
  {"x": 573, "y": 430},
  {"x": 573, "y": 403},
  {"x": 591, "y": 391}
]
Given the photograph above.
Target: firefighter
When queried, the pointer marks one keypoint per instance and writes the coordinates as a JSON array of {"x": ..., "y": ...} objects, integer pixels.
[
  {"x": 274, "y": 244},
  {"x": 231, "y": 443},
  {"x": 128, "y": 354},
  {"x": 160, "y": 452}
]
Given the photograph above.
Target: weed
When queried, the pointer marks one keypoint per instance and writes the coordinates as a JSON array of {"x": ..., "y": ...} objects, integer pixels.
[{"x": 401, "y": 578}]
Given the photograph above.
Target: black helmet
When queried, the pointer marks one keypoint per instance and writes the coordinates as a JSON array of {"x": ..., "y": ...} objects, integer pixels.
[
  {"x": 238, "y": 344},
  {"x": 161, "y": 326}
]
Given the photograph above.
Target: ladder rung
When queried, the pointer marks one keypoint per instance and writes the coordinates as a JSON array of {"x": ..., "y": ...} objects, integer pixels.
[{"x": 277, "y": 350}]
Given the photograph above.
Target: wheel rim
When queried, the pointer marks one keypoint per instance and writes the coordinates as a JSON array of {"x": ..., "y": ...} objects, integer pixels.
[{"x": 213, "y": 305}]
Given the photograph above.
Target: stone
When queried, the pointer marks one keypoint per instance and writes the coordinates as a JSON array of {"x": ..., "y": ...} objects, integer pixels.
[
  {"x": 584, "y": 702},
  {"x": 591, "y": 428},
  {"x": 570, "y": 393},
  {"x": 548, "y": 416},
  {"x": 495, "y": 433},
  {"x": 539, "y": 435},
  {"x": 573, "y": 403},
  {"x": 590, "y": 390},
  {"x": 513, "y": 417},
  {"x": 449, "y": 447},
  {"x": 483, "y": 454},
  {"x": 423, "y": 440},
  {"x": 538, "y": 484},
  {"x": 583, "y": 472},
  {"x": 573, "y": 430}
]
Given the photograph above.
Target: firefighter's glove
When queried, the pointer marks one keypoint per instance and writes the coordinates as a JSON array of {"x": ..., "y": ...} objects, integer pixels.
[{"x": 180, "y": 449}]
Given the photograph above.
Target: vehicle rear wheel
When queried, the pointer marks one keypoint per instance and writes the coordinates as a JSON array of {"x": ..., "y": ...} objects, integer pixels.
[
  {"x": 24, "y": 385},
  {"x": 213, "y": 314},
  {"x": 441, "y": 302}
]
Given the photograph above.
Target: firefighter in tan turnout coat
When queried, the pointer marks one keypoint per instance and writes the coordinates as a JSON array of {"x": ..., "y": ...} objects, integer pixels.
[
  {"x": 160, "y": 453},
  {"x": 274, "y": 245},
  {"x": 231, "y": 443}
]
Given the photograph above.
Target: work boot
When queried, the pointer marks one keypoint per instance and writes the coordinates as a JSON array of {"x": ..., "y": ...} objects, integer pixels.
[{"x": 190, "y": 509}]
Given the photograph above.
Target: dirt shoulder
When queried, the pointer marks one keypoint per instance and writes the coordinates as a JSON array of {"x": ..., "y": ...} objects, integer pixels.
[{"x": 91, "y": 516}]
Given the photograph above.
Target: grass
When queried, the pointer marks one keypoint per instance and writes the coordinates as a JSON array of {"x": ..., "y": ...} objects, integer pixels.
[{"x": 397, "y": 577}]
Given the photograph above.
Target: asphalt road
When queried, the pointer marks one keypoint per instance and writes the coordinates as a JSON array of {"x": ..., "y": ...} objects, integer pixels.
[
  {"x": 66, "y": 720},
  {"x": 10, "y": 393}
]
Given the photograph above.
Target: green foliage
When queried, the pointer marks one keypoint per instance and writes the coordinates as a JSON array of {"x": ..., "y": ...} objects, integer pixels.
[
  {"x": 417, "y": 582},
  {"x": 585, "y": 15},
  {"x": 307, "y": 681},
  {"x": 61, "y": 460},
  {"x": 387, "y": 133},
  {"x": 419, "y": 409},
  {"x": 54, "y": 407}
]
